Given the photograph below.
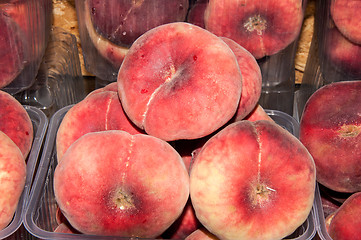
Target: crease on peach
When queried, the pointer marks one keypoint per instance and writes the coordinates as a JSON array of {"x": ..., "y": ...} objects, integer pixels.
[
  {"x": 107, "y": 113},
  {"x": 127, "y": 161},
  {"x": 168, "y": 80}
]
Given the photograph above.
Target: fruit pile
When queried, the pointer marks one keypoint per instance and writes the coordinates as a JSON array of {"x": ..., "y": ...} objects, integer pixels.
[
  {"x": 179, "y": 144},
  {"x": 109, "y": 28},
  {"x": 16, "y": 137}
]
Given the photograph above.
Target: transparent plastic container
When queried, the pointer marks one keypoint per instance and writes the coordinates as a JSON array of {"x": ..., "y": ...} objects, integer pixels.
[
  {"x": 40, "y": 218},
  {"x": 108, "y": 28},
  {"x": 59, "y": 81},
  {"x": 25, "y": 24},
  {"x": 320, "y": 218},
  {"x": 332, "y": 56},
  {"x": 40, "y": 124}
]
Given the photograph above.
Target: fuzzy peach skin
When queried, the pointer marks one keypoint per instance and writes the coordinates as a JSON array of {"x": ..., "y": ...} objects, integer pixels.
[
  {"x": 252, "y": 180},
  {"x": 15, "y": 122},
  {"x": 251, "y": 78},
  {"x": 99, "y": 111},
  {"x": 330, "y": 128},
  {"x": 179, "y": 81},
  {"x": 115, "y": 183},
  {"x": 258, "y": 113},
  {"x": 12, "y": 178},
  {"x": 346, "y": 15},
  {"x": 263, "y": 27},
  {"x": 113, "y": 86},
  {"x": 346, "y": 222},
  {"x": 343, "y": 54}
]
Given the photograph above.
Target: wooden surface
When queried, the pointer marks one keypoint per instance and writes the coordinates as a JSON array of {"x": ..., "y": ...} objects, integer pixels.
[{"x": 64, "y": 16}]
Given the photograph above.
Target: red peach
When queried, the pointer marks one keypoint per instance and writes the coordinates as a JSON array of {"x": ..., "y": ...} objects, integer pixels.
[
  {"x": 346, "y": 15},
  {"x": 258, "y": 113},
  {"x": 179, "y": 81},
  {"x": 346, "y": 222},
  {"x": 262, "y": 27},
  {"x": 196, "y": 13},
  {"x": 343, "y": 54},
  {"x": 12, "y": 52},
  {"x": 252, "y": 180},
  {"x": 123, "y": 21},
  {"x": 110, "y": 51},
  {"x": 126, "y": 185},
  {"x": 332, "y": 134},
  {"x": 12, "y": 178},
  {"x": 15, "y": 122},
  {"x": 251, "y": 78},
  {"x": 99, "y": 111}
]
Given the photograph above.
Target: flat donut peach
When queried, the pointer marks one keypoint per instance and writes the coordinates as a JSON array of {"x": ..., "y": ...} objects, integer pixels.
[
  {"x": 179, "y": 81},
  {"x": 263, "y": 27},
  {"x": 119, "y": 184},
  {"x": 99, "y": 111}
]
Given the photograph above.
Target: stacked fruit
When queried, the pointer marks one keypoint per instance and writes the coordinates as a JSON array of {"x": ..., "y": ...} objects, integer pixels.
[
  {"x": 330, "y": 128},
  {"x": 167, "y": 150},
  {"x": 16, "y": 137},
  {"x": 109, "y": 28}
]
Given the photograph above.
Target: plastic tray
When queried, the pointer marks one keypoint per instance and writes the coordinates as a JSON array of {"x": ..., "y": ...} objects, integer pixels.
[
  {"x": 40, "y": 217},
  {"x": 59, "y": 82},
  {"x": 40, "y": 124}
]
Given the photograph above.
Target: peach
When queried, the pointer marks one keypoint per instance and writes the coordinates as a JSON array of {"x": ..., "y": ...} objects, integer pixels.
[
  {"x": 332, "y": 134},
  {"x": 15, "y": 122},
  {"x": 201, "y": 234},
  {"x": 187, "y": 222},
  {"x": 12, "y": 52},
  {"x": 99, "y": 111},
  {"x": 262, "y": 27},
  {"x": 196, "y": 13},
  {"x": 342, "y": 54},
  {"x": 12, "y": 178},
  {"x": 64, "y": 228},
  {"x": 184, "y": 225},
  {"x": 252, "y": 180},
  {"x": 110, "y": 51},
  {"x": 179, "y": 81},
  {"x": 251, "y": 78},
  {"x": 346, "y": 222},
  {"x": 346, "y": 16},
  {"x": 126, "y": 185},
  {"x": 123, "y": 21},
  {"x": 258, "y": 113}
]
